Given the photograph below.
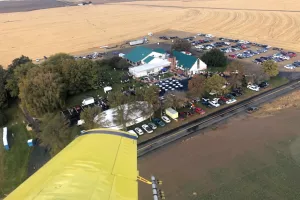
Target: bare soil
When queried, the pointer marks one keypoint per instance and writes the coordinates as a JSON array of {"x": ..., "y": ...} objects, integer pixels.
[{"x": 234, "y": 161}]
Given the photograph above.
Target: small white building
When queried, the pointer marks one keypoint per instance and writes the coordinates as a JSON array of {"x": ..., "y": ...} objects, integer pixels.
[{"x": 189, "y": 64}]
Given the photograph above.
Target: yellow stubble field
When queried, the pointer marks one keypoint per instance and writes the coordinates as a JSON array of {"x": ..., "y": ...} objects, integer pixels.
[{"x": 80, "y": 28}]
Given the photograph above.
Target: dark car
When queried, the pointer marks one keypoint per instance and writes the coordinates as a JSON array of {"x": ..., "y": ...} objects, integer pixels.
[
  {"x": 238, "y": 91},
  {"x": 221, "y": 102},
  {"x": 263, "y": 84},
  {"x": 235, "y": 94},
  {"x": 158, "y": 122},
  {"x": 182, "y": 115},
  {"x": 252, "y": 109}
]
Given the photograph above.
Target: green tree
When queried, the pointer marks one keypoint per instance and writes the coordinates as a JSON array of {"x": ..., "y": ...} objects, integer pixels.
[
  {"x": 3, "y": 92},
  {"x": 19, "y": 73},
  {"x": 122, "y": 64},
  {"x": 149, "y": 94},
  {"x": 124, "y": 107},
  {"x": 176, "y": 99},
  {"x": 181, "y": 45},
  {"x": 42, "y": 91},
  {"x": 114, "y": 61},
  {"x": 270, "y": 68},
  {"x": 216, "y": 84},
  {"x": 88, "y": 115},
  {"x": 55, "y": 133},
  {"x": 196, "y": 85},
  {"x": 80, "y": 75},
  {"x": 236, "y": 73},
  {"x": 214, "y": 58},
  {"x": 17, "y": 62},
  {"x": 3, "y": 119}
]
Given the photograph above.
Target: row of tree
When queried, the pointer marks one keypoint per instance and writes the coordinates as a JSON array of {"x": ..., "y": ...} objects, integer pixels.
[
  {"x": 234, "y": 76},
  {"x": 44, "y": 88}
]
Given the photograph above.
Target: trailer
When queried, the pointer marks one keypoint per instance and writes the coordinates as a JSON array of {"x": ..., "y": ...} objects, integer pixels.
[
  {"x": 136, "y": 42},
  {"x": 172, "y": 113}
]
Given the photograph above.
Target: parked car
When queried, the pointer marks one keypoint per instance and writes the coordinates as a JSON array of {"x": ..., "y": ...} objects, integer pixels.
[
  {"x": 199, "y": 111},
  {"x": 252, "y": 109},
  {"x": 221, "y": 102},
  {"x": 165, "y": 119},
  {"x": 214, "y": 102},
  {"x": 232, "y": 56},
  {"x": 182, "y": 115},
  {"x": 290, "y": 66},
  {"x": 235, "y": 94},
  {"x": 230, "y": 101},
  {"x": 292, "y": 54},
  {"x": 263, "y": 84},
  {"x": 229, "y": 96},
  {"x": 147, "y": 128},
  {"x": 158, "y": 122},
  {"x": 253, "y": 87},
  {"x": 139, "y": 131},
  {"x": 151, "y": 125},
  {"x": 224, "y": 98}
]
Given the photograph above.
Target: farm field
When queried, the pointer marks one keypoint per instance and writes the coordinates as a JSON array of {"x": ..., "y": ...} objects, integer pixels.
[
  {"x": 74, "y": 29},
  {"x": 246, "y": 158}
]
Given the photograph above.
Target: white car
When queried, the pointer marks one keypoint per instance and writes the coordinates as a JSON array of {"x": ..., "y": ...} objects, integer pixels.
[
  {"x": 253, "y": 87},
  {"x": 147, "y": 128},
  {"x": 214, "y": 102},
  {"x": 132, "y": 131},
  {"x": 230, "y": 101},
  {"x": 289, "y": 66},
  {"x": 227, "y": 43},
  {"x": 285, "y": 57},
  {"x": 139, "y": 131},
  {"x": 209, "y": 36},
  {"x": 166, "y": 119},
  {"x": 199, "y": 47},
  {"x": 208, "y": 47}
]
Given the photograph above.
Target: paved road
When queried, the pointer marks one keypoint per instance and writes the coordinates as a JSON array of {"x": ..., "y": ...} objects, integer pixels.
[{"x": 214, "y": 118}]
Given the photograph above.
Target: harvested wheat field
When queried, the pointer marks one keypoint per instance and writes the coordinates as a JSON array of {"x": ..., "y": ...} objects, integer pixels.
[
  {"x": 247, "y": 158},
  {"x": 74, "y": 29}
]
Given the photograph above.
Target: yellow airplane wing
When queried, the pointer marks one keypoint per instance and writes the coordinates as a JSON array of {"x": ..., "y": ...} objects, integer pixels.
[{"x": 101, "y": 164}]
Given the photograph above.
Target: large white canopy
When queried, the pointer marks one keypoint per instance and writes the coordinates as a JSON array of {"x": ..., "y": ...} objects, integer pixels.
[{"x": 133, "y": 114}]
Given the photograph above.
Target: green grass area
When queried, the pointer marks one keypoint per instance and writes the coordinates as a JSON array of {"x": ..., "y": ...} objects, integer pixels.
[
  {"x": 77, "y": 99},
  {"x": 216, "y": 69},
  {"x": 14, "y": 162},
  {"x": 275, "y": 175},
  {"x": 278, "y": 81},
  {"x": 13, "y": 166},
  {"x": 166, "y": 75}
]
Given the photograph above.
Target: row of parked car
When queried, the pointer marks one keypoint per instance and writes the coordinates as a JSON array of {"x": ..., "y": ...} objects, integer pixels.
[
  {"x": 231, "y": 97},
  {"x": 72, "y": 115},
  {"x": 247, "y": 53},
  {"x": 151, "y": 126},
  {"x": 293, "y": 65},
  {"x": 278, "y": 57},
  {"x": 94, "y": 55}
]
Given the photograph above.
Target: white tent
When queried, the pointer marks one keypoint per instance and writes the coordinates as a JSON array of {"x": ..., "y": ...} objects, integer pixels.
[{"x": 155, "y": 66}]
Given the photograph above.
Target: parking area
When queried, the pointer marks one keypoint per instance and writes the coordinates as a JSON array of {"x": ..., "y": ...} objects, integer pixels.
[{"x": 246, "y": 51}]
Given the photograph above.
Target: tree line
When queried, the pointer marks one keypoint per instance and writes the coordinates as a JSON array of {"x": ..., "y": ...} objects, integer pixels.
[
  {"x": 44, "y": 87},
  {"x": 234, "y": 76}
]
